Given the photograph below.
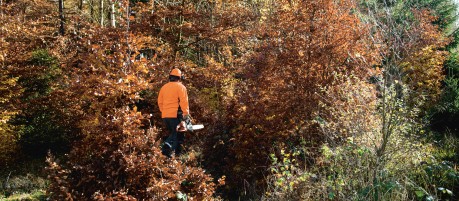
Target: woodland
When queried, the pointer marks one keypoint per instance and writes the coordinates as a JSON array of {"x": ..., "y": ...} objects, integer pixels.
[{"x": 300, "y": 99}]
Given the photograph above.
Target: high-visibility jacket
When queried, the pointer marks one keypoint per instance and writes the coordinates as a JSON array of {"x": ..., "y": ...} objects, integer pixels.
[{"x": 171, "y": 96}]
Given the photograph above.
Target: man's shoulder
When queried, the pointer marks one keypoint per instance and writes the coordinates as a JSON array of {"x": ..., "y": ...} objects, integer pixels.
[
  {"x": 178, "y": 84},
  {"x": 181, "y": 85},
  {"x": 164, "y": 85},
  {"x": 171, "y": 85}
]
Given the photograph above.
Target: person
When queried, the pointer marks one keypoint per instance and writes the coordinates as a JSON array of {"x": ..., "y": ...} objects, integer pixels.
[{"x": 173, "y": 104}]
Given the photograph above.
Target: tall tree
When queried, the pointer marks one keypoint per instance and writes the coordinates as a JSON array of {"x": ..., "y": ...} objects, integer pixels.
[
  {"x": 412, "y": 49},
  {"x": 61, "y": 17},
  {"x": 101, "y": 12},
  {"x": 112, "y": 13},
  {"x": 305, "y": 47},
  {"x": 91, "y": 10}
]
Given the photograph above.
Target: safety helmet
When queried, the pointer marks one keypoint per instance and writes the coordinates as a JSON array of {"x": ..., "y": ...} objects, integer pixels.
[{"x": 176, "y": 72}]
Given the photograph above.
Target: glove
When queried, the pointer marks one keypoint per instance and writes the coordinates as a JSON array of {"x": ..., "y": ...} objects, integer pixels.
[
  {"x": 187, "y": 123},
  {"x": 181, "y": 127}
]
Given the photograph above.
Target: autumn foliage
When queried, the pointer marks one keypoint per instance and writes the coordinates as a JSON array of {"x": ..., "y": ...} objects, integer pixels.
[
  {"x": 423, "y": 66},
  {"x": 266, "y": 78},
  {"x": 306, "y": 49},
  {"x": 118, "y": 156}
]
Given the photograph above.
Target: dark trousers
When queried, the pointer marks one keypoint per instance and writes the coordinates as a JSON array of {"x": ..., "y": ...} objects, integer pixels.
[{"x": 175, "y": 140}]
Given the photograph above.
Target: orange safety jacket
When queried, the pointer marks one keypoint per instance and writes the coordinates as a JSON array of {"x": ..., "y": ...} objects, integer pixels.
[{"x": 170, "y": 97}]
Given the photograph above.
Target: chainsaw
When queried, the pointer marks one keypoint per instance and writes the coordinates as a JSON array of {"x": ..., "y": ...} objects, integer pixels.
[{"x": 186, "y": 125}]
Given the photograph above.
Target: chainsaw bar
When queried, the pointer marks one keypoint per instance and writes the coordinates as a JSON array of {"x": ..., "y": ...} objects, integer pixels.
[
  {"x": 191, "y": 127},
  {"x": 197, "y": 127}
]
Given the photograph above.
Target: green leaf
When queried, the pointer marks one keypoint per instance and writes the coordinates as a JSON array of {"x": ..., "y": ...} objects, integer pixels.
[
  {"x": 331, "y": 195},
  {"x": 420, "y": 194}
]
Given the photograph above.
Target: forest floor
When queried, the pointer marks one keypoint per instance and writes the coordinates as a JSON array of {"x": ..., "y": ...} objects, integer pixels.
[{"x": 24, "y": 181}]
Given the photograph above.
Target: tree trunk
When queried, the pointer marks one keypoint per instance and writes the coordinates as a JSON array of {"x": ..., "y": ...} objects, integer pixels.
[
  {"x": 101, "y": 12},
  {"x": 61, "y": 17},
  {"x": 80, "y": 12},
  {"x": 91, "y": 10},
  {"x": 80, "y": 6},
  {"x": 112, "y": 14}
]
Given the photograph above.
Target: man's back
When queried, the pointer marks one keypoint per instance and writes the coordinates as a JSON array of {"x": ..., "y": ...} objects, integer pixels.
[{"x": 170, "y": 97}]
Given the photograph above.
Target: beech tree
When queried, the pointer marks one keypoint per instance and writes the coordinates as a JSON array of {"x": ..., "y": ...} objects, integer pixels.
[{"x": 304, "y": 47}]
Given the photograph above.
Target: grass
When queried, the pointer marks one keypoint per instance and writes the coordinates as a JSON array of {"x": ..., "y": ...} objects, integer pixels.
[
  {"x": 34, "y": 196},
  {"x": 448, "y": 147}
]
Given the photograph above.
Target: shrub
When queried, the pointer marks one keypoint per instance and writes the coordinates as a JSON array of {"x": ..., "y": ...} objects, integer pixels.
[
  {"x": 43, "y": 121},
  {"x": 347, "y": 172},
  {"x": 118, "y": 160}
]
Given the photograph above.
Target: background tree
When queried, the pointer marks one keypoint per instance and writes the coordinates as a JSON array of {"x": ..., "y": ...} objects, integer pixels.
[
  {"x": 28, "y": 28},
  {"x": 300, "y": 52}
]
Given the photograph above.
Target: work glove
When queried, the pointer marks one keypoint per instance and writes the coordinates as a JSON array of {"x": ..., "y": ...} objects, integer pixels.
[
  {"x": 181, "y": 127},
  {"x": 185, "y": 124}
]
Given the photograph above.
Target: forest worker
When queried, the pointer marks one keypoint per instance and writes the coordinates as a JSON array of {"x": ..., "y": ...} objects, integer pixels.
[{"x": 173, "y": 104}]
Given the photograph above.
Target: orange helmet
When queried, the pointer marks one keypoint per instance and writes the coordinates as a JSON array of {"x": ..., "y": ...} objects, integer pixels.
[{"x": 176, "y": 72}]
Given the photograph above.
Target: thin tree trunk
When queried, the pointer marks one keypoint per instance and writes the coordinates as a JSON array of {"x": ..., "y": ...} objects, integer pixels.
[
  {"x": 101, "y": 12},
  {"x": 91, "y": 10},
  {"x": 61, "y": 17},
  {"x": 1, "y": 8},
  {"x": 80, "y": 12},
  {"x": 112, "y": 14},
  {"x": 80, "y": 6}
]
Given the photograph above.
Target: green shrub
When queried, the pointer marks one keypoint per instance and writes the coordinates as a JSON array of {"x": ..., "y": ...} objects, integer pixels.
[
  {"x": 438, "y": 178},
  {"x": 44, "y": 123},
  {"x": 38, "y": 78},
  {"x": 350, "y": 172}
]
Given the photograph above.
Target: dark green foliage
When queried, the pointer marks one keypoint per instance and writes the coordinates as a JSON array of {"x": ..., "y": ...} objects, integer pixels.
[
  {"x": 37, "y": 78},
  {"x": 455, "y": 41},
  {"x": 452, "y": 65},
  {"x": 41, "y": 123},
  {"x": 442, "y": 179},
  {"x": 42, "y": 58},
  {"x": 444, "y": 10},
  {"x": 446, "y": 114},
  {"x": 448, "y": 111},
  {"x": 43, "y": 131}
]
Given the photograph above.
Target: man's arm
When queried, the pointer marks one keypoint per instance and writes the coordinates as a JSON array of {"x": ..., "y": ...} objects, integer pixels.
[
  {"x": 160, "y": 100},
  {"x": 183, "y": 97}
]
